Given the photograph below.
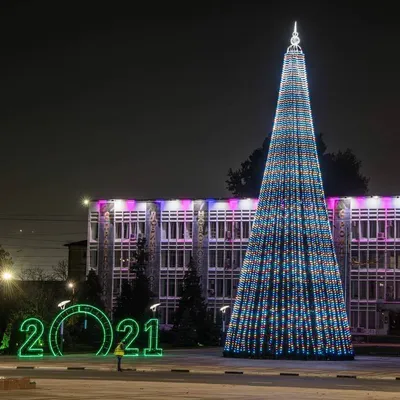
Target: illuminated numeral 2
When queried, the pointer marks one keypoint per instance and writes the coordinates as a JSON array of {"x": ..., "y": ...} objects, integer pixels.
[
  {"x": 34, "y": 329},
  {"x": 131, "y": 327}
]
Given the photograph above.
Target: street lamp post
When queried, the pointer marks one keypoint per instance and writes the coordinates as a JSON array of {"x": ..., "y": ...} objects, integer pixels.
[
  {"x": 223, "y": 311},
  {"x": 62, "y": 307},
  {"x": 154, "y": 309},
  {"x": 71, "y": 285}
]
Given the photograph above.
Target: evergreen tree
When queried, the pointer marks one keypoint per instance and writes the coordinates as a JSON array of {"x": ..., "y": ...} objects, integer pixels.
[
  {"x": 192, "y": 323},
  {"x": 141, "y": 296},
  {"x": 140, "y": 256},
  {"x": 90, "y": 291},
  {"x": 135, "y": 296},
  {"x": 134, "y": 300},
  {"x": 341, "y": 172},
  {"x": 141, "y": 284},
  {"x": 125, "y": 302}
]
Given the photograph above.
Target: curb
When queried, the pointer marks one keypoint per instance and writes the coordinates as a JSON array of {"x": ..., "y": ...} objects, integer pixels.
[{"x": 219, "y": 372}]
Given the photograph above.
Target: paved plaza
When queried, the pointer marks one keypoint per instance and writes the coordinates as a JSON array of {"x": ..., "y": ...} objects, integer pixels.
[
  {"x": 98, "y": 390},
  {"x": 210, "y": 360}
]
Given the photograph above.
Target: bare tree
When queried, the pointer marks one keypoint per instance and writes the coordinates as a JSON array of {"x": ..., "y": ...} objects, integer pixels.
[
  {"x": 34, "y": 274},
  {"x": 40, "y": 291},
  {"x": 60, "y": 271}
]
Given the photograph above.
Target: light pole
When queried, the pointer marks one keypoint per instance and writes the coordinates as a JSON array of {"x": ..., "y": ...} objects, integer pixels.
[
  {"x": 154, "y": 309},
  {"x": 223, "y": 310},
  {"x": 71, "y": 285},
  {"x": 62, "y": 307}
]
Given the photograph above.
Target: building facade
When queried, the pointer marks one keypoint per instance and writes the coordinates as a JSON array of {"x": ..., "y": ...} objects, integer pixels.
[
  {"x": 366, "y": 233},
  {"x": 77, "y": 256}
]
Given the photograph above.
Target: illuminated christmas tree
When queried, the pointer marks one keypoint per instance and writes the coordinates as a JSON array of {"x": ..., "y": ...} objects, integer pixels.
[{"x": 290, "y": 301}]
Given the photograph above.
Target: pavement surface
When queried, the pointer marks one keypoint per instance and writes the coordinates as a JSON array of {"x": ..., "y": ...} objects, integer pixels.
[
  {"x": 85, "y": 385},
  {"x": 210, "y": 360}
]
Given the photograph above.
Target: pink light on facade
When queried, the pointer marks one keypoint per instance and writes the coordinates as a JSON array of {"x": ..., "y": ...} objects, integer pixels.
[
  {"x": 101, "y": 203},
  {"x": 330, "y": 202},
  {"x": 387, "y": 202},
  {"x": 233, "y": 204},
  {"x": 186, "y": 204},
  {"x": 130, "y": 205}
]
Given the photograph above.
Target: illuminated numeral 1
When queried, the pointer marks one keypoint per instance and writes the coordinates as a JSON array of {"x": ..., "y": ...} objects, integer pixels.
[{"x": 151, "y": 326}]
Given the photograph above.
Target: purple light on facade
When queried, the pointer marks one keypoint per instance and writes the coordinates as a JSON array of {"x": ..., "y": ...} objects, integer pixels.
[{"x": 161, "y": 203}]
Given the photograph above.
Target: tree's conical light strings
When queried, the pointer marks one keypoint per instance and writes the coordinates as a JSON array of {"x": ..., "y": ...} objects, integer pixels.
[{"x": 290, "y": 299}]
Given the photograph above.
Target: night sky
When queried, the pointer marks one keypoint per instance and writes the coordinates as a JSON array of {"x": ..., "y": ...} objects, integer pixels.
[{"x": 104, "y": 101}]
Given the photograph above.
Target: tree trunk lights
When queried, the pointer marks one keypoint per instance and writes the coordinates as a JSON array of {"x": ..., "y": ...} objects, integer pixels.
[{"x": 290, "y": 301}]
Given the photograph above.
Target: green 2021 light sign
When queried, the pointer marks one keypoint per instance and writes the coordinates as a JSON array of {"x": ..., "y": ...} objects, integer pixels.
[{"x": 34, "y": 330}]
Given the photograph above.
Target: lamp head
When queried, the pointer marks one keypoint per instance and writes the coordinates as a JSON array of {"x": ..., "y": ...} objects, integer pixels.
[
  {"x": 223, "y": 309},
  {"x": 7, "y": 276},
  {"x": 63, "y": 303},
  {"x": 154, "y": 306}
]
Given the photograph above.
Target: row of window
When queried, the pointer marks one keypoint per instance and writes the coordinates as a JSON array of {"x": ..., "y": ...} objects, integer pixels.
[
  {"x": 171, "y": 259},
  {"x": 177, "y": 230},
  {"x": 373, "y": 258},
  {"x": 358, "y": 319},
  {"x": 129, "y": 230},
  {"x": 233, "y": 259},
  {"x": 375, "y": 290},
  {"x": 375, "y": 229},
  {"x": 171, "y": 287},
  {"x": 223, "y": 288},
  {"x": 226, "y": 259},
  {"x": 230, "y": 230},
  {"x": 366, "y": 319},
  {"x": 226, "y": 288},
  {"x": 236, "y": 230}
]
